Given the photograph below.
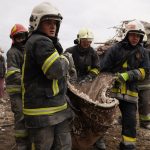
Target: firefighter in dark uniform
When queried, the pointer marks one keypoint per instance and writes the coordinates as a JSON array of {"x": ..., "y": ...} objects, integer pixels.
[
  {"x": 15, "y": 54},
  {"x": 144, "y": 96},
  {"x": 47, "y": 114},
  {"x": 85, "y": 57},
  {"x": 86, "y": 61},
  {"x": 130, "y": 63}
]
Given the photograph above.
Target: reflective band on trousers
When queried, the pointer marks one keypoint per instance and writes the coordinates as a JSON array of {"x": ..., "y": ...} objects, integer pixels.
[
  {"x": 49, "y": 61},
  {"x": 128, "y": 139},
  {"x": 21, "y": 133},
  {"x": 44, "y": 111}
]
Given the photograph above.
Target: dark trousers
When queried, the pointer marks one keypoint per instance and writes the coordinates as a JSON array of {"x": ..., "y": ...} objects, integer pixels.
[
  {"x": 128, "y": 111},
  {"x": 56, "y": 137},
  {"x": 144, "y": 105}
]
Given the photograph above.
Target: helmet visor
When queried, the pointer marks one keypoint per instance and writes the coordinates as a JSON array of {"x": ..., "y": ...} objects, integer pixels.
[{"x": 20, "y": 36}]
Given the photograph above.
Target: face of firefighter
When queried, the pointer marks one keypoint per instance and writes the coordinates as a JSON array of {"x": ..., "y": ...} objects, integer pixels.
[
  {"x": 134, "y": 38},
  {"x": 20, "y": 37},
  {"x": 48, "y": 27},
  {"x": 85, "y": 43}
]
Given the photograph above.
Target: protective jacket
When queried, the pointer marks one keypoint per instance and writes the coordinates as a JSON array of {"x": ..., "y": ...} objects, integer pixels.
[
  {"x": 123, "y": 57},
  {"x": 14, "y": 65},
  {"x": 44, "y": 83},
  {"x": 86, "y": 62}
]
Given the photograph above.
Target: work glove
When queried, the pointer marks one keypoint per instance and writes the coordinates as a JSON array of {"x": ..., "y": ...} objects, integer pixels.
[
  {"x": 122, "y": 77},
  {"x": 86, "y": 79},
  {"x": 72, "y": 71}
]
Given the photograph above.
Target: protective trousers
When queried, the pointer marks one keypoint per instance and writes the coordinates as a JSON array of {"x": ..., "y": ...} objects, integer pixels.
[
  {"x": 56, "y": 137},
  {"x": 21, "y": 134},
  {"x": 144, "y": 106},
  {"x": 128, "y": 111}
]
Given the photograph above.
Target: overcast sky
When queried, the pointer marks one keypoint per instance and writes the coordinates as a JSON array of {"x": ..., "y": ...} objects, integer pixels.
[{"x": 98, "y": 15}]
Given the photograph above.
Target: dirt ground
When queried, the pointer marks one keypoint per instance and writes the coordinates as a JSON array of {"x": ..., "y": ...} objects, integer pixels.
[{"x": 112, "y": 136}]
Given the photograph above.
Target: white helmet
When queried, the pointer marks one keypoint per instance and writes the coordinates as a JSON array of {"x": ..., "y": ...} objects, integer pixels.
[
  {"x": 44, "y": 11},
  {"x": 135, "y": 27},
  {"x": 85, "y": 33}
]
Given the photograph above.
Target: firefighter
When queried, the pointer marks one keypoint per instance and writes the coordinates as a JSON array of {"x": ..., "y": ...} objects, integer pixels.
[
  {"x": 144, "y": 97},
  {"x": 85, "y": 57},
  {"x": 128, "y": 60},
  {"x": 47, "y": 114},
  {"x": 86, "y": 62},
  {"x": 15, "y": 54}
]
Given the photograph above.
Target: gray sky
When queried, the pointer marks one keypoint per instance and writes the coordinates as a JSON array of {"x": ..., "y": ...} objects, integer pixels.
[{"x": 98, "y": 15}]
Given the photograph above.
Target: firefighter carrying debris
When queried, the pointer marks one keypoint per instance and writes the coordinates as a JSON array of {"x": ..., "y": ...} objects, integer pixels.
[
  {"x": 85, "y": 57},
  {"x": 86, "y": 62},
  {"x": 129, "y": 61}
]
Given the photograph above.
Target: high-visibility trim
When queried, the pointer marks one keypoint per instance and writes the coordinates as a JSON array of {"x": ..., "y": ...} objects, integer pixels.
[
  {"x": 145, "y": 117},
  {"x": 55, "y": 87},
  {"x": 33, "y": 146},
  {"x": 125, "y": 65},
  {"x": 142, "y": 71},
  {"x": 125, "y": 97},
  {"x": 11, "y": 72},
  {"x": 95, "y": 71},
  {"x": 44, "y": 111},
  {"x": 131, "y": 93},
  {"x": 62, "y": 56},
  {"x": 123, "y": 91},
  {"x": 115, "y": 90},
  {"x": 21, "y": 133},
  {"x": 128, "y": 139},
  {"x": 13, "y": 89},
  {"x": 22, "y": 78},
  {"x": 123, "y": 88},
  {"x": 49, "y": 61}
]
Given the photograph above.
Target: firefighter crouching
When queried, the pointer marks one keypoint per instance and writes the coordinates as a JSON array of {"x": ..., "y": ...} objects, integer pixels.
[
  {"x": 46, "y": 111},
  {"x": 129, "y": 61},
  {"x": 15, "y": 54},
  {"x": 144, "y": 96}
]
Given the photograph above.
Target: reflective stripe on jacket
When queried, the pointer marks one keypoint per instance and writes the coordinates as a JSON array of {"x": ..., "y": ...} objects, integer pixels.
[{"x": 85, "y": 62}]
